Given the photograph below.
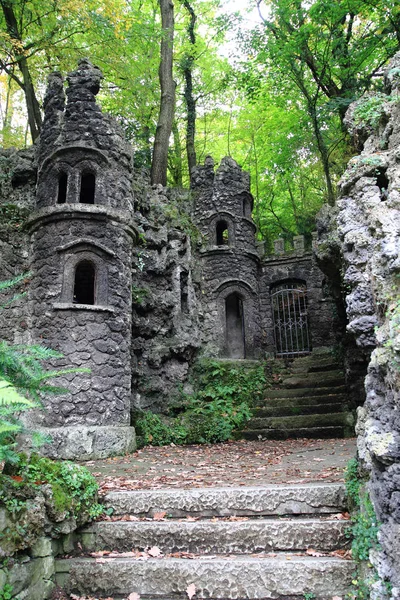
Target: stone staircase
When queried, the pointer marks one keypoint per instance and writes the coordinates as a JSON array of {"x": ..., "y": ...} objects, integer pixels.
[
  {"x": 273, "y": 542},
  {"x": 310, "y": 402}
]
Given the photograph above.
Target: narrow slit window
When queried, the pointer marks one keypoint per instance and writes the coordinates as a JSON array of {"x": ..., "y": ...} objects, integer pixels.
[
  {"x": 222, "y": 234},
  {"x": 62, "y": 188},
  {"x": 184, "y": 292},
  {"x": 84, "y": 284},
  {"x": 382, "y": 182},
  {"x": 88, "y": 186}
]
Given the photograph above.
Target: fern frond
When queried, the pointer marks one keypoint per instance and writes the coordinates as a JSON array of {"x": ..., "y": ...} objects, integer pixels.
[
  {"x": 10, "y": 396},
  {"x": 5, "y": 285}
]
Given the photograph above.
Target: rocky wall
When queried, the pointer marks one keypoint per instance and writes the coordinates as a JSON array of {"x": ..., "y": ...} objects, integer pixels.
[
  {"x": 365, "y": 232},
  {"x": 165, "y": 295},
  {"x": 17, "y": 195}
]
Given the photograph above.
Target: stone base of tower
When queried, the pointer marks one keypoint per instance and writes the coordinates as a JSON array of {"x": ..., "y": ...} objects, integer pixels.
[{"x": 83, "y": 442}]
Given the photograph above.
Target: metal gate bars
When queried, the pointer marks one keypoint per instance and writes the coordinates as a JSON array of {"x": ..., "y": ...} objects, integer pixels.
[{"x": 289, "y": 309}]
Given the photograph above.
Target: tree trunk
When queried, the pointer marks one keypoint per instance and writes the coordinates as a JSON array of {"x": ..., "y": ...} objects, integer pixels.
[
  {"x": 167, "y": 105},
  {"x": 187, "y": 65},
  {"x": 176, "y": 168},
  {"x": 32, "y": 104}
]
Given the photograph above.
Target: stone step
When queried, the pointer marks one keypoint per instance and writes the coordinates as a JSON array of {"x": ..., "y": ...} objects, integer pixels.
[
  {"x": 305, "y": 391},
  {"x": 293, "y": 434},
  {"x": 306, "y": 499},
  {"x": 310, "y": 380},
  {"x": 303, "y": 401},
  {"x": 291, "y": 410},
  {"x": 302, "y": 421},
  {"x": 236, "y": 578},
  {"x": 218, "y": 537}
]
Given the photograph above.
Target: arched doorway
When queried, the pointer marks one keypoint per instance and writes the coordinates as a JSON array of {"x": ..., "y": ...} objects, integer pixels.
[
  {"x": 235, "y": 334},
  {"x": 289, "y": 309}
]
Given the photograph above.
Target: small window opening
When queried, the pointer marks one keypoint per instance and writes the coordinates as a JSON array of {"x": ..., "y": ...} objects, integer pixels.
[
  {"x": 184, "y": 292},
  {"x": 88, "y": 185},
  {"x": 382, "y": 182},
  {"x": 246, "y": 208},
  {"x": 62, "y": 188},
  {"x": 350, "y": 247},
  {"x": 85, "y": 277},
  {"x": 222, "y": 234}
]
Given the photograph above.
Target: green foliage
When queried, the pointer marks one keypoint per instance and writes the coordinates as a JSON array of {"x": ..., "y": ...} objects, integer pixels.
[
  {"x": 353, "y": 483},
  {"x": 365, "y": 529},
  {"x": 364, "y": 533},
  {"x": 309, "y": 596},
  {"x": 219, "y": 406},
  {"x": 158, "y": 431},
  {"x": 139, "y": 294},
  {"x": 13, "y": 216},
  {"x": 7, "y": 593},
  {"x": 74, "y": 487},
  {"x": 370, "y": 110}
]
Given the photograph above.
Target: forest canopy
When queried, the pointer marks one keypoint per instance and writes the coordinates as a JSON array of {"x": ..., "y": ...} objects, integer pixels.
[{"x": 267, "y": 82}]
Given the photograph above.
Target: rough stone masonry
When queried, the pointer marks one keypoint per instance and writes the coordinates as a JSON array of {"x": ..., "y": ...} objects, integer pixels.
[
  {"x": 361, "y": 238},
  {"x": 133, "y": 281}
]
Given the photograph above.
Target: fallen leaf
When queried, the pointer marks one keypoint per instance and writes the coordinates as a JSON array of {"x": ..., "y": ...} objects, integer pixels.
[
  {"x": 154, "y": 551},
  {"x": 134, "y": 596},
  {"x": 312, "y": 552},
  {"x": 337, "y": 598},
  {"x": 191, "y": 590},
  {"x": 159, "y": 516}
]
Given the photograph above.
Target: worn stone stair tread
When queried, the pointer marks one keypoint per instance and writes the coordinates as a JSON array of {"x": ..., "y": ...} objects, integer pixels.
[
  {"x": 242, "y": 577},
  {"x": 301, "y": 421},
  {"x": 302, "y": 400},
  {"x": 314, "y": 380},
  {"x": 307, "y": 390},
  {"x": 320, "y": 498},
  {"x": 221, "y": 537},
  {"x": 285, "y": 434},
  {"x": 293, "y": 410}
]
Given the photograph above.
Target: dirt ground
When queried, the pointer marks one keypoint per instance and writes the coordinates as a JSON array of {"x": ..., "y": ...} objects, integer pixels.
[{"x": 239, "y": 463}]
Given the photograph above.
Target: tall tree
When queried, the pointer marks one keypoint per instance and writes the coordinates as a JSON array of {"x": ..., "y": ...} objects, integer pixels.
[
  {"x": 26, "y": 83},
  {"x": 167, "y": 104},
  {"x": 187, "y": 63},
  {"x": 331, "y": 51}
]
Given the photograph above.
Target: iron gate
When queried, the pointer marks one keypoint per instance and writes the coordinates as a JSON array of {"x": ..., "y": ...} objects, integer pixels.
[{"x": 289, "y": 309}]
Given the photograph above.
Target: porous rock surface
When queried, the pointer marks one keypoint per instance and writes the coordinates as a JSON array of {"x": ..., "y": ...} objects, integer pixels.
[{"x": 363, "y": 232}]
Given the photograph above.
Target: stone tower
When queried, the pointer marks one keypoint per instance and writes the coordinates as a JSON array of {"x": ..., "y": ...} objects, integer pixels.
[
  {"x": 81, "y": 237},
  {"x": 229, "y": 259}
]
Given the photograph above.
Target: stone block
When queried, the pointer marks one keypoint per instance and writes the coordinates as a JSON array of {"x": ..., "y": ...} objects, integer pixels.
[{"x": 42, "y": 547}]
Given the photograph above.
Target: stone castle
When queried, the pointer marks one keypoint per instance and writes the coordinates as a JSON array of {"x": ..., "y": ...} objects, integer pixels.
[
  {"x": 135, "y": 281},
  {"x": 118, "y": 284}
]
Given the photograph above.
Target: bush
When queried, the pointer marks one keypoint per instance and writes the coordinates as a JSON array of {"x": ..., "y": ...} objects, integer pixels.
[
  {"x": 74, "y": 489},
  {"x": 219, "y": 406}
]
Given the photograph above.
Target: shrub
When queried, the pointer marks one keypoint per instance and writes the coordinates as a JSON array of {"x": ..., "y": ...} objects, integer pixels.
[{"x": 219, "y": 406}]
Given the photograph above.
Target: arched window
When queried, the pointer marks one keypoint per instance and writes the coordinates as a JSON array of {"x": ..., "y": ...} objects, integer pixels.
[
  {"x": 235, "y": 341},
  {"x": 88, "y": 186},
  {"x": 62, "y": 188},
  {"x": 84, "y": 283},
  {"x": 222, "y": 233}
]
